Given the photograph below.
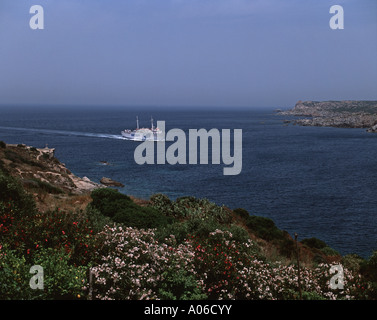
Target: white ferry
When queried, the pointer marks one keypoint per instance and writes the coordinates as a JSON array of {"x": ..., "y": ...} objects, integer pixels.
[{"x": 143, "y": 134}]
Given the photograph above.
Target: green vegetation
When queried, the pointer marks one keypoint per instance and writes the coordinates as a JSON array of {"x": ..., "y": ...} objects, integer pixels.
[
  {"x": 45, "y": 186},
  {"x": 18, "y": 159},
  {"x": 121, "y": 209},
  {"x": 180, "y": 250}
]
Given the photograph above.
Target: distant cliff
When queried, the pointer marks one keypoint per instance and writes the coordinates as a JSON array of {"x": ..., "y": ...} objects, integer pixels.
[{"x": 342, "y": 114}]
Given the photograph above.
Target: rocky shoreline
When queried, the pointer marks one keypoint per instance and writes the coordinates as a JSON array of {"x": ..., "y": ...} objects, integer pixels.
[
  {"x": 36, "y": 167},
  {"x": 340, "y": 114}
]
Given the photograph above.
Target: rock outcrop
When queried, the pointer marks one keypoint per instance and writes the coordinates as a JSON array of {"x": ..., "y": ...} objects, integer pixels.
[
  {"x": 111, "y": 183},
  {"x": 39, "y": 168},
  {"x": 341, "y": 114}
]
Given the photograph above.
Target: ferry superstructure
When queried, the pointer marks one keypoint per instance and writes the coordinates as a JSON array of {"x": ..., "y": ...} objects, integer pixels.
[{"x": 143, "y": 134}]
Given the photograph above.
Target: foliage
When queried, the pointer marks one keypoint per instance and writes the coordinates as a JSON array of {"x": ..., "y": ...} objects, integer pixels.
[
  {"x": 314, "y": 243},
  {"x": 133, "y": 265},
  {"x": 191, "y": 207},
  {"x": 368, "y": 268},
  {"x": 179, "y": 285},
  {"x": 194, "y": 251},
  {"x": 14, "y": 270},
  {"x": 14, "y": 197},
  {"x": 48, "y": 187},
  {"x": 329, "y": 251},
  {"x": 244, "y": 214},
  {"x": 352, "y": 262},
  {"x": 264, "y": 228},
  {"x": 52, "y": 229},
  {"x": 219, "y": 260},
  {"x": 120, "y": 208},
  {"x": 96, "y": 219},
  {"x": 61, "y": 280},
  {"x": 18, "y": 159}
]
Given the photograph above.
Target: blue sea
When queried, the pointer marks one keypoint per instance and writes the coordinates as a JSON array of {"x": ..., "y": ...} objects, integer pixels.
[{"x": 315, "y": 181}]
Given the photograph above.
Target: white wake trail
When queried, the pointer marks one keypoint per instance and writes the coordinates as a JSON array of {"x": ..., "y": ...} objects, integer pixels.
[{"x": 67, "y": 133}]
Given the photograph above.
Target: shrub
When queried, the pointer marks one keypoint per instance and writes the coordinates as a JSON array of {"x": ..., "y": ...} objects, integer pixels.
[
  {"x": 16, "y": 158},
  {"x": 43, "y": 185},
  {"x": 352, "y": 262},
  {"x": 286, "y": 246},
  {"x": 15, "y": 277},
  {"x": 244, "y": 214},
  {"x": 61, "y": 280},
  {"x": 109, "y": 201},
  {"x": 329, "y": 251},
  {"x": 133, "y": 265},
  {"x": 179, "y": 285},
  {"x": 120, "y": 208},
  {"x": 190, "y": 207},
  {"x": 162, "y": 203},
  {"x": 219, "y": 262},
  {"x": 3, "y": 145},
  {"x": 314, "y": 243},
  {"x": 368, "y": 268},
  {"x": 15, "y": 205},
  {"x": 264, "y": 228},
  {"x": 52, "y": 229},
  {"x": 179, "y": 230},
  {"x": 141, "y": 217},
  {"x": 96, "y": 219},
  {"x": 14, "y": 198}
]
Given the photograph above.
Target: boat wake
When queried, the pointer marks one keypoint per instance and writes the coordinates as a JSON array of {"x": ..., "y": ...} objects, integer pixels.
[{"x": 67, "y": 133}]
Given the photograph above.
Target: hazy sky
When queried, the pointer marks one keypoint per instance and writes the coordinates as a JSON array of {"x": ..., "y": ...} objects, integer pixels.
[{"x": 187, "y": 52}]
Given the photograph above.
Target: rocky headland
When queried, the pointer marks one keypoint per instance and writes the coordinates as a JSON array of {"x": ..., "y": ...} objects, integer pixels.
[
  {"x": 44, "y": 176},
  {"x": 341, "y": 114}
]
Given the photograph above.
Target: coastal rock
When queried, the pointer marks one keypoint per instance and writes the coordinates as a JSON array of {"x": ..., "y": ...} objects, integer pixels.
[
  {"x": 373, "y": 128},
  {"x": 84, "y": 184},
  {"x": 40, "y": 169},
  {"x": 341, "y": 114},
  {"x": 111, "y": 183}
]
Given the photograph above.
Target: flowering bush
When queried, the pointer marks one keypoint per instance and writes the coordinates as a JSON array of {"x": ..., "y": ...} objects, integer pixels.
[
  {"x": 133, "y": 265},
  {"x": 218, "y": 262},
  {"x": 229, "y": 269},
  {"x": 268, "y": 281},
  {"x": 6, "y": 218},
  {"x": 199, "y": 256},
  {"x": 52, "y": 229}
]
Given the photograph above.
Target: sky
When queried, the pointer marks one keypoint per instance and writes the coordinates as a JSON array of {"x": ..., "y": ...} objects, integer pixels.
[{"x": 193, "y": 53}]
